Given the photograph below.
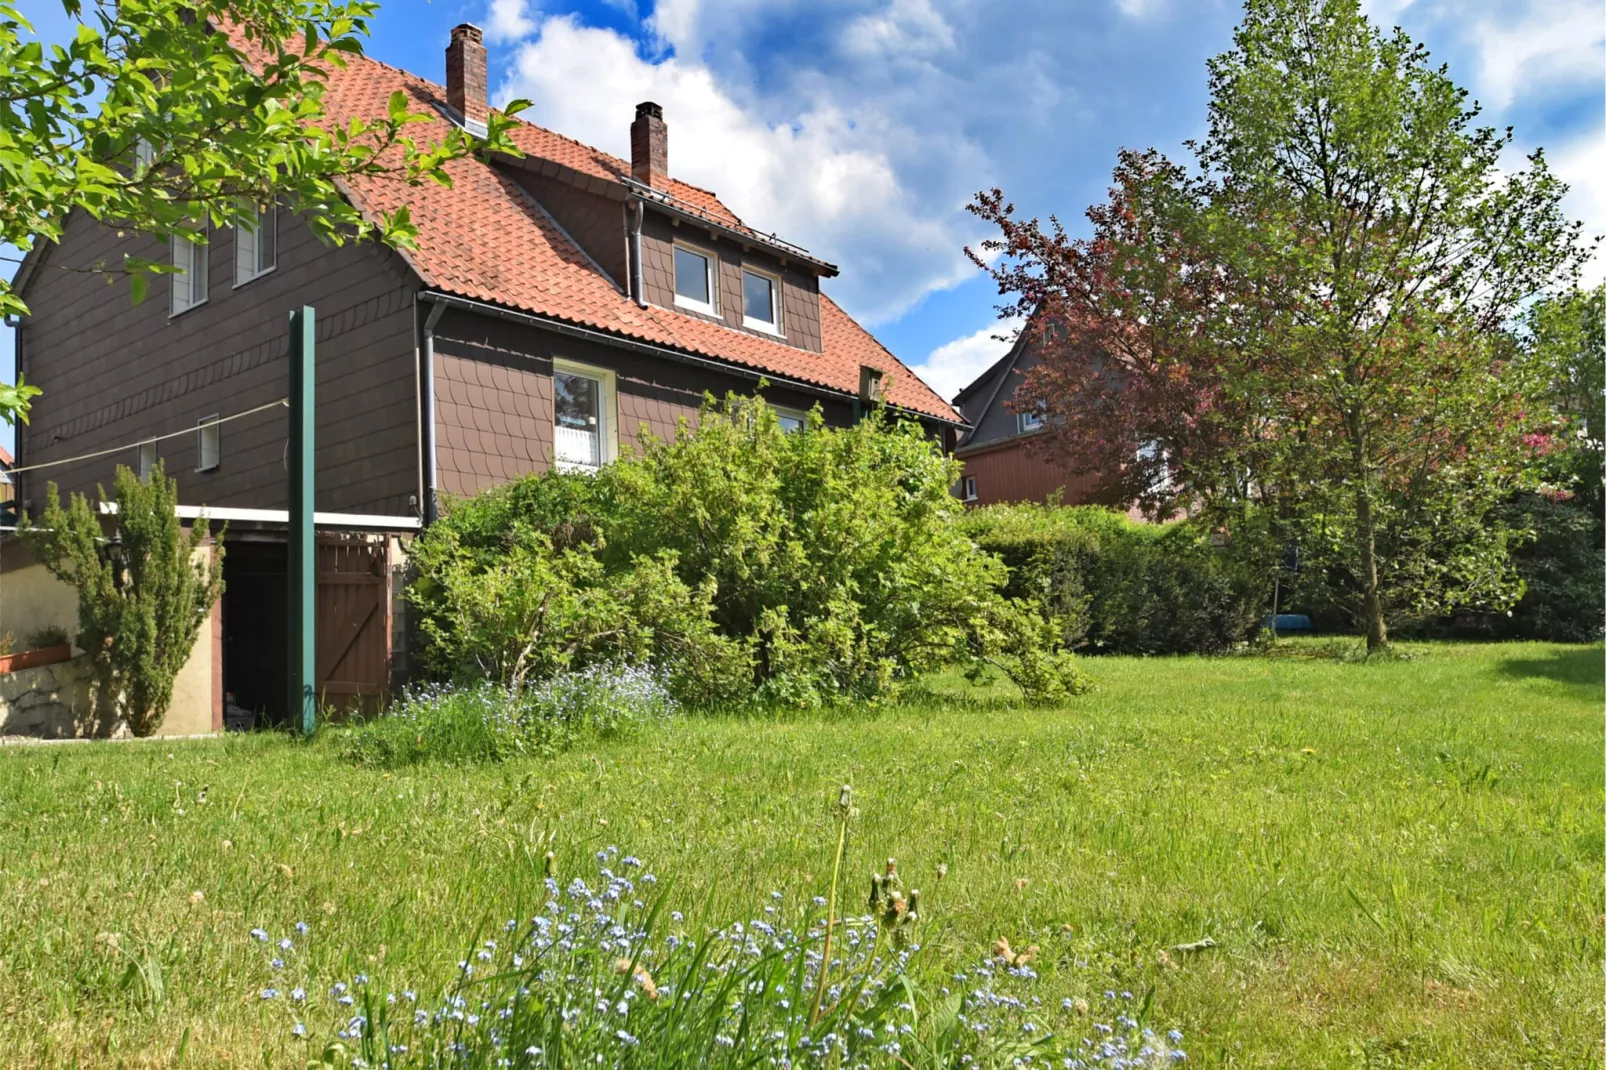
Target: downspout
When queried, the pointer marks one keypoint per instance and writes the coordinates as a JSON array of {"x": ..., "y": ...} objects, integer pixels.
[
  {"x": 427, "y": 377},
  {"x": 18, "y": 369},
  {"x": 638, "y": 289}
]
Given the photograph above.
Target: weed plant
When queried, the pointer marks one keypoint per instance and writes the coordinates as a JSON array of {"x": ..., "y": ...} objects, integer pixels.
[{"x": 605, "y": 974}]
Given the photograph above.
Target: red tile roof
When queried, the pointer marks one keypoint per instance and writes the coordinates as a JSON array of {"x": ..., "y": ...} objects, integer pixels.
[{"x": 485, "y": 238}]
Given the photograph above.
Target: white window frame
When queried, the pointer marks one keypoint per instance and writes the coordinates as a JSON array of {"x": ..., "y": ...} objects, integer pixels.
[
  {"x": 967, "y": 488},
  {"x": 247, "y": 248},
  {"x": 145, "y": 460},
  {"x": 607, "y": 414},
  {"x": 194, "y": 253},
  {"x": 208, "y": 451},
  {"x": 1027, "y": 422},
  {"x": 1150, "y": 450},
  {"x": 775, "y": 302},
  {"x": 711, "y": 306},
  {"x": 796, "y": 414}
]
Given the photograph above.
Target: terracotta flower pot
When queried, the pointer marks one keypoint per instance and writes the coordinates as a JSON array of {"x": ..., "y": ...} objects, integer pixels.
[{"x": 28, "y": 659}]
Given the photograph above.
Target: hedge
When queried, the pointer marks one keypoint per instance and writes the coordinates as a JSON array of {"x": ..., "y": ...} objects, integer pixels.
[{"x": 1121, "y": 586}]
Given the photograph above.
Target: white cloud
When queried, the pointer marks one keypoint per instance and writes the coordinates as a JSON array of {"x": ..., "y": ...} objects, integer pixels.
[
  {"x": 953, "y": 365},
  {"x": 1514, "y": 49},
  {"x": 903, "y": 28},
  {"x": 1582, "y": 165},
  {"x": 674, "y": 22},
  {"x": 813, "y": 174},
  {"x": 510, "y": 20},
  {"x": 1385, "y": 13},
  {"x": 1555, "y": 43}
]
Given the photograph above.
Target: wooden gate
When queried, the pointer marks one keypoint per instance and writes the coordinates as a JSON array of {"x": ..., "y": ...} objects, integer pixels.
[{"x": 353, "y": 662}]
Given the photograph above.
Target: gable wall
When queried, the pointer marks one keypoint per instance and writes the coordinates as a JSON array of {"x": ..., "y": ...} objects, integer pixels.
[
  {"x": 998, "y": 422},
  {"x": 114, "y": 372}
]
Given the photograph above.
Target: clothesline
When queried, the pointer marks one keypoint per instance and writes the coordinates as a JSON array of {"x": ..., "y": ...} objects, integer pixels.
[{"x": 281, "y": 403}]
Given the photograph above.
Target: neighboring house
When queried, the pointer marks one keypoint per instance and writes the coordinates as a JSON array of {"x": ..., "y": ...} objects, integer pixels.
[
  {"x": 554, "y": 306},
  {"x": 1003, "y": 461},
  {"x": 8, "y": 489}
]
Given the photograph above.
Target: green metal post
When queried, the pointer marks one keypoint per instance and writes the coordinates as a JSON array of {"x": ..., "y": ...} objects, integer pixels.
[{"x": 303, "y": 554}]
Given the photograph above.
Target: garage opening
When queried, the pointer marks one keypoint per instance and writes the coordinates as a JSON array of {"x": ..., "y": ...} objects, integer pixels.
[
  {"x": 353, "y": 657},
  {"x": 256, "y": 663}
]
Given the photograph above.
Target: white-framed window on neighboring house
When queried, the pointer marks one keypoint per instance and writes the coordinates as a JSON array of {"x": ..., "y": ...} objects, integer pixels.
[
  {"x": 208, "y": 443},
  {"x": 792, "y": 420},
  {"x": 1028, "y": 422},
  {"x": 145, "y": 460},
  {"x": 696, "y": 279},
  {"x": 761, "y": 301},
  {"x": 583, "y": 433},
  {"x": 1150, "y": 452},
  {"x": 190, "y": 281},
  {"x": 967, "y": 488},
  {"x": 256, "y": 248},
  {"x": 144, "y": 154}
]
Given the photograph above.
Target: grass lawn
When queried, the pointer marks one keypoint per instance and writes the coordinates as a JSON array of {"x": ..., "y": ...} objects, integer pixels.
[{"x": 1400, "y": 862}]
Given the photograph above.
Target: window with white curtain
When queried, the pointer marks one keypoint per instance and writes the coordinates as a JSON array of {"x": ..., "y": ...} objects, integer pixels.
[{"x": 582, "y": 421}]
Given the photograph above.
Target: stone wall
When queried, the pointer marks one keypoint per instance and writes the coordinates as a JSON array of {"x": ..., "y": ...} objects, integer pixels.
[
  {"x": 49, "y": 701},
  {"x": 52, "y": 701}
]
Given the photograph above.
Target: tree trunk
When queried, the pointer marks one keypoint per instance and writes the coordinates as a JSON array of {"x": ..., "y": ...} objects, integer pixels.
[{"x": 1377, "y": 633}]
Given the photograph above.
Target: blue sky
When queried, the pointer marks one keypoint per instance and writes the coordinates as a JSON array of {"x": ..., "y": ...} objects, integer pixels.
[{"x": 860, "y": 128}]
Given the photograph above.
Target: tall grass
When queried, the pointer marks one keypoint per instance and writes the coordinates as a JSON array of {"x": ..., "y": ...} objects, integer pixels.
[
  {"x": 490, "y": 722},
  {"x": 605, "y": 974}
]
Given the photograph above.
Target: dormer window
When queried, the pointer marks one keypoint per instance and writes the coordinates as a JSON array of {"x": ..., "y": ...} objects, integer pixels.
[
  {"x": 761, "y": 301},
  {"x": 695, "y": 287},
  {"x": 1029, "y": 421}
]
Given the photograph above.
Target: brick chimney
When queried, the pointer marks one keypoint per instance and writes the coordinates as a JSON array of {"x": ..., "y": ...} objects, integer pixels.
[
  {"x": 465, "y": 73},
  {"x": 649, "y": 146}
]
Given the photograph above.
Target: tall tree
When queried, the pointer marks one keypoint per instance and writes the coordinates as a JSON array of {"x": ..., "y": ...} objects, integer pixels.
[
  {"x": 164, "y": 116},
  {"x": 1313, "y": 318}
]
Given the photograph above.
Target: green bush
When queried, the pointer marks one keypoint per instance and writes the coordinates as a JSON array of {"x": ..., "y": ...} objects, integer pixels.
[
  {"x": 742, "y": 560},
  {"x": 1117, "y": 586},
  {"x": 489, "y": 722},
  {"x": 1556, "y": 554},
  {"x": 142, "y": 597},
  {"x": 524, "y": 606},
  {"x": 1563, "y": 570}
]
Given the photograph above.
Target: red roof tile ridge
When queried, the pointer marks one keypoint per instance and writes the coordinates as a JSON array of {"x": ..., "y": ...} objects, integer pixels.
[
  {"x": 438, "y": 91},
  {"x": 622, "y": 166}
]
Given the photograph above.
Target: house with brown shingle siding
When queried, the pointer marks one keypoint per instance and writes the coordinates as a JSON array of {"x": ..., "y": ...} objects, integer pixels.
[{"x": 553, "y": 307}]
